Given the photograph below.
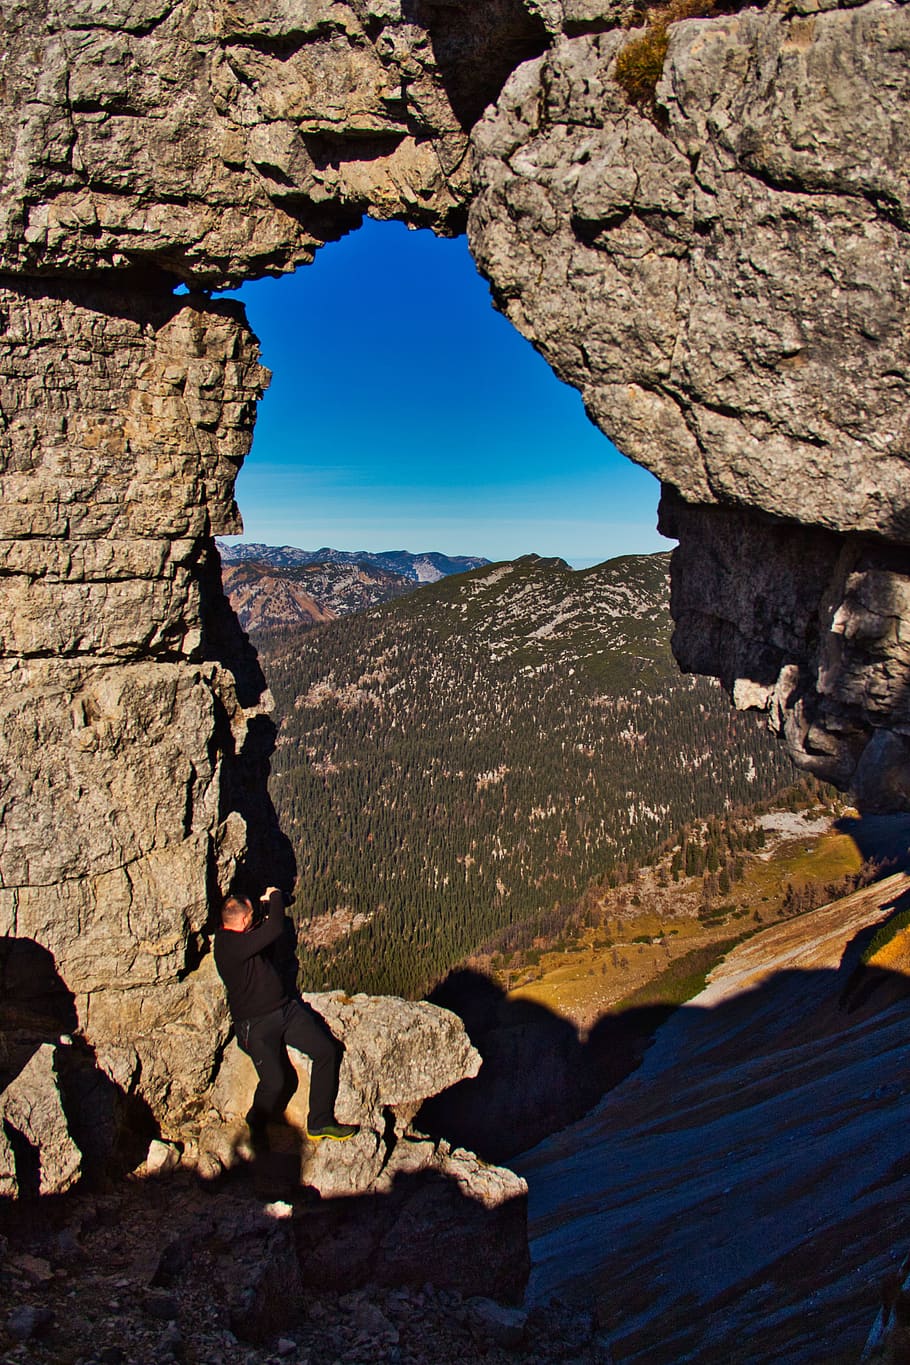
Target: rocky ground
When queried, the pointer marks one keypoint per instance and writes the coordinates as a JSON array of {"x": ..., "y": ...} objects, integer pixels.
[{"x": 167, "y": 1271}]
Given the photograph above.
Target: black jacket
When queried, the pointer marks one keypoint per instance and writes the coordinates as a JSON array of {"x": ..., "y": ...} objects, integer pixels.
[{"x": 245, "y": 965}]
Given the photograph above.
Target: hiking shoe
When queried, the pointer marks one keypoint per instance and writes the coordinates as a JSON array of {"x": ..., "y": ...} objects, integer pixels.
[{"x": 337, "y": 1132}]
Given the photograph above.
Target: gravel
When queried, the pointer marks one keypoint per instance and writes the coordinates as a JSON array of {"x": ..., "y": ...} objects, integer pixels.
[{"x": 149, "y": 1272}]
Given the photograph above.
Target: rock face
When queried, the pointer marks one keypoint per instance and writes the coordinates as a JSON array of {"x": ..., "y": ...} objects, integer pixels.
[
  {"x": 133, "y": 734},
  {"x": 723, "y": 276},
  {"x": 397, "y": 1208},
  {"x": 816, "y": 634},
  {"x": 396, "y": 1054},
  {"x": 264, "y": 598},
  {"x": 714, "y": 1205},
  {"x": 219, "y": 139}
]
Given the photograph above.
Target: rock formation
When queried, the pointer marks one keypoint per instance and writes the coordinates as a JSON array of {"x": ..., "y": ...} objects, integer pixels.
[
  {"x": 396, "y": 1206},
  {"x": 32, "y": 1114},
  {"x": 722, "y": 272},
  {"x": 396, "y": 1054},
  {"x": 724, "y": 278},
  {"x": 738, "y": 1197}
]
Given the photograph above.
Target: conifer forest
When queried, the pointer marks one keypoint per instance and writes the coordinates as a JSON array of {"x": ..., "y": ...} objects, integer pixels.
[{"x": 481, "y": 752}]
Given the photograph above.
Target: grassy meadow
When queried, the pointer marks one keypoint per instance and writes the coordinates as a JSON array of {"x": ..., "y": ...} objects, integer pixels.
[{"x": 655, "y": 940}]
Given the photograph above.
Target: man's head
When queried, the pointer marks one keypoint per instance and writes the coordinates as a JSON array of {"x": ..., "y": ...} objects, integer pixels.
[{"x": 237, "y": 914}]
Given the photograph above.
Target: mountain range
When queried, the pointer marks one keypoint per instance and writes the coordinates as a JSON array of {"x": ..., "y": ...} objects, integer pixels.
[
  {"x": 471, "y": 755},
  {"x": 264, "y": 596},
  {"x": 271, "y": 586},
  {"x": 428, "y": 567}
]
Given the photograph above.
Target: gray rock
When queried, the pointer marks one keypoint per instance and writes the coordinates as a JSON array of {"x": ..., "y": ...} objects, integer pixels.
[
  {"x": 814, "y": 637},
  {"x": 28, "y": 1321},
  {"x": 651, "y": 261},
  {"x": 494, "y": 1323},
  {"x": 257, "y": 93},
  {"x": 397, "y": 1053},
  {"x": 725, "y": 282},
  {"x": 162, "y": 1157},
  {"x": 615, "y": 257},
  {"x": 31, "y": 1106},
  {"x": 9, "y": 1184}
]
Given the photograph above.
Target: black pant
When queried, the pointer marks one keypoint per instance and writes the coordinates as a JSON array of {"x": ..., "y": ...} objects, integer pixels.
[{"x": 264, "y": 1041}]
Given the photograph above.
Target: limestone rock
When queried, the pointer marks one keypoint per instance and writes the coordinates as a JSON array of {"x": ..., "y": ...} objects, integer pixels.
[
  {"x": 889, "y": 1337},
  {"x": 162, "y": 1157},
  {"x": 722, "y": 280},
  {"x": 725, "y": 282},
  {"x": 31, "y": 1107},
  {"x": 397, "y": 1208},
  {"x": 732, "y": 1152},
  {"x": 816, "y": 636},
  {"x": 131, "y": 754},
  {"x": 9, "y": 1185},
  {"x": 652, "y": 262},
  {"x": 224, "y": 139},
  {"x": 396, "y": 1054}
]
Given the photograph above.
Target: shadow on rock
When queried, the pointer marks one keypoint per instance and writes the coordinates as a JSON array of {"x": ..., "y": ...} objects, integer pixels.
[
  {"x": 477, "y": 47},
  {"x": 537, "y": 1076},
  {"x": 63, "y": 1117},
  {"x": 267, "y": 858},
  {"x": 869, "y": 985},
  {"x": 423, "y": 1230},
  {"x": 743, "y": 1195},
  {"x": 880, "y": 838}
]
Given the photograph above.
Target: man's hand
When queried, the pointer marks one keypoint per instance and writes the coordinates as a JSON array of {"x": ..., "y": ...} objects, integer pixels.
[{"x": 269, "y": 892}]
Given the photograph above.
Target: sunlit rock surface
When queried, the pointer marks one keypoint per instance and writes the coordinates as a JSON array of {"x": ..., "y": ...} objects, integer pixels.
[
  {"x": 741, "y": 1196},
  {"x": 396, "y": 1054},
  {"x": 725, "y": 282},
  {"x": 32, "y": 1117},
  {"x": 723, "y": 279}
]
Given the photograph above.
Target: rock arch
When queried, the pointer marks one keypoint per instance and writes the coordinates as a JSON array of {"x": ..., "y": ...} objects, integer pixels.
[{"x": 723, "y": 275}]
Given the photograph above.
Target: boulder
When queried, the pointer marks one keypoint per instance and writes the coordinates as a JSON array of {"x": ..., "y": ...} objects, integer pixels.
[
  {"x": 31, "y": 1110},
  {"x": 437, "y": 1216},
  {"x": 396, "y": 1054}
]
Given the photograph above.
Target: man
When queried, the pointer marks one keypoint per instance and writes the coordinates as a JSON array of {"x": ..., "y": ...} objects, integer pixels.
[{"x": 266, "y": 1019}]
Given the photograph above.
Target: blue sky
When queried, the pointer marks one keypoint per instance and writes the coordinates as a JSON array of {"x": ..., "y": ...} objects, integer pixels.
[{"x": 405, "y": 413}]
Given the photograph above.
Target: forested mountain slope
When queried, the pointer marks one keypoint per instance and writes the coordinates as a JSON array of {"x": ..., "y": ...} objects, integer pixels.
[
  {"x": 475, "y": 753},
  {"x": 265, "y": 597}
]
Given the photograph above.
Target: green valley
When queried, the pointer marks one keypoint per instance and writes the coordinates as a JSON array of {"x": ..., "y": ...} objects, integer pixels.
[{"x": 479, "y": 753}]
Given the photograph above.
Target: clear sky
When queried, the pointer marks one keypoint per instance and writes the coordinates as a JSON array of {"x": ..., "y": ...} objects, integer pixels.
[{"x": 405, "y": 413}]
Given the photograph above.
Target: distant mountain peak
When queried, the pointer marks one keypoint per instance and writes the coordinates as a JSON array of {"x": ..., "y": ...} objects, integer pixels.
[{"x": 427, "y": 567}]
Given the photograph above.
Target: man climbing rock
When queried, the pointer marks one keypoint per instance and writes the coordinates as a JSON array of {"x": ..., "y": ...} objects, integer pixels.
[{"x": 267, "y": 1019}]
